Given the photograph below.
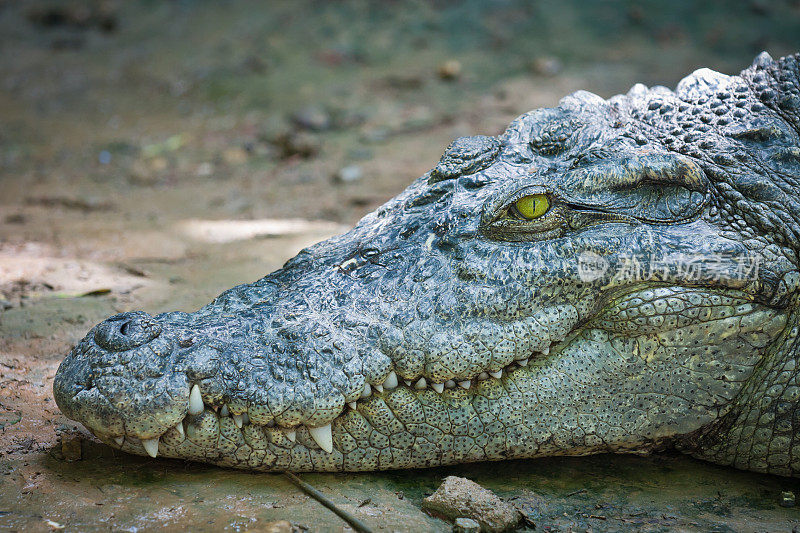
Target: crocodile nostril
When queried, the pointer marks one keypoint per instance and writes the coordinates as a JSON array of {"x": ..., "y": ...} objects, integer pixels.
[{"x": 126, "y": 331}]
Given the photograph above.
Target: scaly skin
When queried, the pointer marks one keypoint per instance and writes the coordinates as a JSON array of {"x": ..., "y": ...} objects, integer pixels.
[{"x": 653, "y": 304}]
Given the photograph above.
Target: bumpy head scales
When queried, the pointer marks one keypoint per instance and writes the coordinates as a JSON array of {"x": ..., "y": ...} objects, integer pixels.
[{"x": 612, "y": 275}]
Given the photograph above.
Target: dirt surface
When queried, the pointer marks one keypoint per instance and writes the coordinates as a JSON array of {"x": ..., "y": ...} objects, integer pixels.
[{"x": 154, "y": 154}]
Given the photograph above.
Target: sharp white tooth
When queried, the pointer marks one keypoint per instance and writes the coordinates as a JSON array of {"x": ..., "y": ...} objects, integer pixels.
[
  {"x": 482, "y": 376},
  {"x": 352, "y": 405},
  {"x": 464, "y": 384},
  {"x": 523, "y": 362},
  {"x": 546, "y": 350},
  {"x": 420, "y": 384},
  {"x": 378, "y": 388},
  {"x": 151, "y": 446},
  {"x": 322, "y": 436},
  {"x": 367, "y": 391},
  {"x": 291, "y": 434},
  {"x": 497, "y": 375},
  {"x": 119, "y": 440},
  {"x": 195, "y": 401},
  {"x": 438, "y": 387},
  {"x": 224, "y": 411},
  {"x": 391, "y": 380},
  {"x": 450, "y": 384},
  {"x": 407, "y": 382},
  {"x": 179, "y": 428},
  {"x": 238, "y": 420}
]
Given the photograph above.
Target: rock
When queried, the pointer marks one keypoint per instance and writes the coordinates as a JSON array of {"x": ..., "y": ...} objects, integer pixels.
[
  {"x": 450, "y": 70},
  {"x": 466, "y": 525},
  {"x": 458, "y": 497},
  {"x": 349, "y": 174},
  {"x": 787, "y": 499},
  {"x": 546, "y": 66},
  {"x": 205, "y": 170},
  {"x": 313, "y": 118},
  {"x": 298, "y": 144}
]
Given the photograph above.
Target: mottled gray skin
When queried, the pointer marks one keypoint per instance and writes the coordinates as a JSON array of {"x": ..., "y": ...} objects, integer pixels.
[{"x": 445, "y": 282}]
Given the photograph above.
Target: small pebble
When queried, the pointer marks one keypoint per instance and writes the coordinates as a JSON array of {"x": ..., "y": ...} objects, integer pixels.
[
  {"x": 466, "y": 525},
  {"x": 787, "y": 499},
  {"x": 450, "y": 70},
  {"x": 546, "y": 66},
  {"x": 349, "y": 174},
  {"x": 204, "y": 170},
  {"x": 313, "y": 118}
]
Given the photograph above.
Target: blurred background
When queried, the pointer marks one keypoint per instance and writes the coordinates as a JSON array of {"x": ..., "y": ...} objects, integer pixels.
[
  {"x": 155, "y": 153},
  {"x": 121, "y": 121}
]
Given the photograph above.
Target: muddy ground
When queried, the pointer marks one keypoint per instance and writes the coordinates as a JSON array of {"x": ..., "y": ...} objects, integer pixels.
[{"x": 153, "y": 154}]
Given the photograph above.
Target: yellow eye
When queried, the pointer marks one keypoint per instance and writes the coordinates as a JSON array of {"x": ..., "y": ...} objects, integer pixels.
[{"x": 533, "y": 206}]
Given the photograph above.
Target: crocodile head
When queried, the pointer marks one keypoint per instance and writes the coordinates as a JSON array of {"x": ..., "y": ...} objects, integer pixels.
[{"x": 605, "y": 276}]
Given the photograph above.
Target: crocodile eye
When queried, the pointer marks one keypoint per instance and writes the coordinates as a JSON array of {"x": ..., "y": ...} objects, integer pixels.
[{"x": 531, "y": 207}]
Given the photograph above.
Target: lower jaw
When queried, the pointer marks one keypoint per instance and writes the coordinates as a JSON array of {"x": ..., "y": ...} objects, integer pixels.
[{"x": 510, "y": 417}]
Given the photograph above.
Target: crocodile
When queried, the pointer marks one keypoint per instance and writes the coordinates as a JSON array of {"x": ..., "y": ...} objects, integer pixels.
[{"x": 615, "y": 275}]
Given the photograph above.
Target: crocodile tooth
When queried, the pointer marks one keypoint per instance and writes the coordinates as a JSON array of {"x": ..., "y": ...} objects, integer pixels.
[
  {"x": 119, "y": 440},
  {"x": 291, "y": 434},
  {"x": 238, "y": 420},
  {"x": 151, "y": 447},
  {"x": 352, "y": 405},
  {"x": 367, "y": 391},
  {"x": 391, "y": 380},
  {"x": 450, "y": 384},
  {"x": 482, "y": 376},
  {"x": 497, "y": 375},
  {"x": 378, "y": 388},
  {"x": 323, "y": 437},
  {"x": 546, "y": 350},
  {"x": 523, "y": 362},
  {"x": 407, "y": 382},
  {"x": 195, "y": 401},
  {"x": 438, "y": 387},
  {"x": 179, "y": 428},
  {"x": 224, "y": 411},
  {"x": 464, "y": 384},
  {"x": 420, "y": 384}
]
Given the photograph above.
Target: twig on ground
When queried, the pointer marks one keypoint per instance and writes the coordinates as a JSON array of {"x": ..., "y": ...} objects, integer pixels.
[{"x": 354, "y": 522}]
